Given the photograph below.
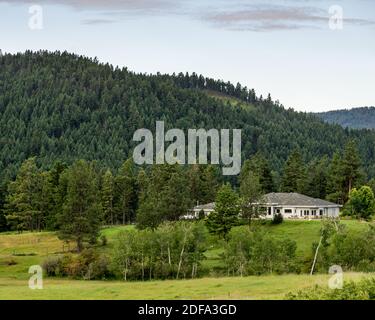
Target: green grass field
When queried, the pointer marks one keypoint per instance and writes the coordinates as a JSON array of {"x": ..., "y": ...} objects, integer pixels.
[{"x": 19, "y": 251}]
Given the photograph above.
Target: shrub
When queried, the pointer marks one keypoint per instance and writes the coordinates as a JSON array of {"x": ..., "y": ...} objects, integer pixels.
[
  {"x": 52, "y": 266},
  {"x": 87, "y": 265},
  {"x": 362, "y": 290},
  {"x": 174, "y": 250},
  {"x": 277, "y": 218},
  {"x": 249, "y": 252}
]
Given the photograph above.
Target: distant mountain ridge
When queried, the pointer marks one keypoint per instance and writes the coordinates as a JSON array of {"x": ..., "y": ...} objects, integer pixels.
[{"x": 357, "y": 118}]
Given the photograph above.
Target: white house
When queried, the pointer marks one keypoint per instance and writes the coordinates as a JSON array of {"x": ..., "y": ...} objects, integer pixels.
[
  {"x": 290, "y": 205},
  {"x": 298, "y": 206},
  {"x": 194, "y": 213}
]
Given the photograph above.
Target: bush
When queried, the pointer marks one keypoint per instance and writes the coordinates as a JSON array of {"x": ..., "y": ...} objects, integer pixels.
[
  {"x": 87, "y": 265},
  {"x": 174, "y": 250},
  {"x": 353, "y": 251},
  {"x": 277, "y": 218},
  {"x": 252, "y": 252},
  {"x": 362, "y": 290},
  {"x": 52, "y": 266}
]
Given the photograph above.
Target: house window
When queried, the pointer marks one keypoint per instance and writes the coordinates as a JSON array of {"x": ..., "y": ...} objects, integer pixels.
[
  {"x": 321, "y": 212},
  {"x": 288, "y": 210}
]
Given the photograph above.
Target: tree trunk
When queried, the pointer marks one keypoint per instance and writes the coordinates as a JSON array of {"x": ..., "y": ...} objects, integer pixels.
[
  {"x": 316, "y": 256},
  {"x": 181, "y": 256},
  {"x": 79, "y": 245}
]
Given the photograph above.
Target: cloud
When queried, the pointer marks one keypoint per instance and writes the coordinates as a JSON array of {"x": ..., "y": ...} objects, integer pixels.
[
  {"x": 96, "y": 21},
  {"x": 103, "y": 4},
  {"x": 237, "y": 15},
  {"x": 271, "y": 18}
]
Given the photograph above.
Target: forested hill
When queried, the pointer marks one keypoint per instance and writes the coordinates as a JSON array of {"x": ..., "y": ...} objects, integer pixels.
[
  {"x": 357, "y": 118},
  {"x": 58, "y": 106}
]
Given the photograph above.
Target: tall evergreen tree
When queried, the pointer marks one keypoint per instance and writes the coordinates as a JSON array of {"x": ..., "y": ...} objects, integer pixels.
[
  {"x": 351, "y": 165},
  {"x": 125, "y": 193},
  {"x": 259, "y": 165},
  {"x": 317, "y": 178},
  {"x": 22, "y": 203},
  {"x": 107, "y": 198},
  {"x": 225, "y": 215},
  {"x": 167, "y": 196},
  {"x": 81, "y": 214},
  {"x": 293, "y": 174},
  {"x": 251, "y": 196}
]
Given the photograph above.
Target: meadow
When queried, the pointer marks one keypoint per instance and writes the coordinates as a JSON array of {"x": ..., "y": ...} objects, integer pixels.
[{"x": 19, "y": 251}]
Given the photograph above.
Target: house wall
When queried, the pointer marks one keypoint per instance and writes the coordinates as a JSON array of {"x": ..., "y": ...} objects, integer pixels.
[{"x": 302, "y": 212}]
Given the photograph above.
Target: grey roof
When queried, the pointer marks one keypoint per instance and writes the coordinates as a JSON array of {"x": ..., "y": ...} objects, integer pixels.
[
  {"x": 208, "y": 206},
  {"x": 295, "y": 199}
]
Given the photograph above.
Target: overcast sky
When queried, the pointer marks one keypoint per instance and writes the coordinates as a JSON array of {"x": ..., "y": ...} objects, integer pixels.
[{"x": 286, "y": 47}]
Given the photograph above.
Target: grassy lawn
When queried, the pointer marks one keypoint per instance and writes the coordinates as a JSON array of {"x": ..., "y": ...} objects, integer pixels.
[
  {"x": 249, "y": 288},
  {"x": 19, "y": 251}
]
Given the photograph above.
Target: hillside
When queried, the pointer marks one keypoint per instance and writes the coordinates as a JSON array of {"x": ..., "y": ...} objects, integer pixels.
[
  {"x": 357, "y": 118},
  {"x": 59, "y": 106}
]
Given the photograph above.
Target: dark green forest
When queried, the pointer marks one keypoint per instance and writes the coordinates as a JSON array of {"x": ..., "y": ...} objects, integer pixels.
[
  {"x": 357, "y": 118},
  {"x": 60, "y": 106},
  {"x": 67, "y": 124}
]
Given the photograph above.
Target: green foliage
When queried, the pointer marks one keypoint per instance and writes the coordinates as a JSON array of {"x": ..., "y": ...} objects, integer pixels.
[
  {"x": 361, "y": 203},
  {"x": 293, "y": 176},
  {"x": 88, "y": 265},
  {"x": 362, "y": 290},
  {"x": 81, "y": 213},
  {"x": 59, "y": 106},
  {"x": 24, "y": 201},
  {"x": 251, "y": 251},
  {"x": 251, "y": 193},
  {"x": 351, "y": 251},
  {"x": 277, "y": 218},
  {"x": 225, "y": 215},
  {"x": 259, "y": 166},
  {"x": 170, "y": 251},
  {"x": 108, "y": 198},
  {"x": 315, "y": 184},
  {"x": 166, "y": 198},
  {"x": 356, "y": 118},
  {"x": 125, "y": 193}
]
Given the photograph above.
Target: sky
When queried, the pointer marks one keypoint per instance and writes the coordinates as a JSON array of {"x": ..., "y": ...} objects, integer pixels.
[{"x": 310, "y": 55}]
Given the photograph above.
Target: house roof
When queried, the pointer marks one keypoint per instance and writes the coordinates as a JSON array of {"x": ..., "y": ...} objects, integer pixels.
[
  {"x": 208, "y": 206},
  {"x": 296, "y": 199}
]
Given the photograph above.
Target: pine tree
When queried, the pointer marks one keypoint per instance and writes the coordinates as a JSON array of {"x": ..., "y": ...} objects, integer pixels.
[
  {"x": 209, "y": 184},
  {"x": 336, "y": 182},
  {"x": 294, "y": 173},
  {"x": 225, "y": 215},
  {"x": 317, "y": 178},
  {"x": 251, "y": 193},
  {"x": 351, "y": 165},
  {"x": 81, "y": 214},
  {"x": 22, "y": 203},
  {"x": 259, "y": 165},
  {"x": 125, "y": 193},
  {"x": 107, "y": 198}
]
